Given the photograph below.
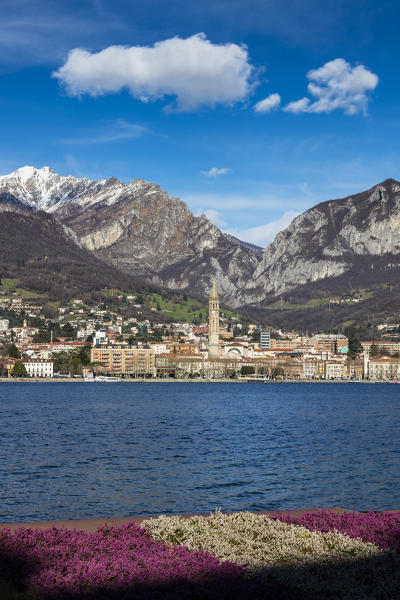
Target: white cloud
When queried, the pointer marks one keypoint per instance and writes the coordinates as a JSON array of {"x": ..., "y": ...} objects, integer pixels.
[
  {"x": 264, "y": 234},
  {"x": 336, "y": 86},
  {"x": 298, "y": 106},
  {"x": 109, "y": 131},
  {"x": 214, "y": 172},
  {"x": 193, "y": 70},
  {"x": 269, "y": 103}
]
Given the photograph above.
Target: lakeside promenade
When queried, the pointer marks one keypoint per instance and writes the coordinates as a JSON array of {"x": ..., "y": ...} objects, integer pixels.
[
  {"x": 94, "y": 524},
  {"x": 171, "y": 380}
]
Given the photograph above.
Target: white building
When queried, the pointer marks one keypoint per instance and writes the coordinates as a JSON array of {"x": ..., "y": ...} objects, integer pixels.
[
  {"x": 309, "y": 369},
  {"x": 4, "y": 323},
  {"x": 36, "y": 367},
  {"x": 334, "y": 370},
  {"x": 160, "y": 348},
  {"x": 100, "y": 337},
  {"x": 384, "y": 368}
]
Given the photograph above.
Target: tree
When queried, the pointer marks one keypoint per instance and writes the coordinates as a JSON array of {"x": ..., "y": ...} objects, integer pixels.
[
  {"x": 355, "y": 347},
  {"x": 383, "y": 351},
  {"x": 19, "y": 369},
  {"x": 42, "y": 336},
  {"x": 84, "y": 354},
  {"x": 75, "y": 367},
  {"x": 374, "y": 350},
  {"x": 247, "y": 370},
  {"x": 50, "y": 311},
  {"x": 13, "y": 351},
  {"x": 61, "y": 361},
  {"x": 68, "y": 331},
  {"x": 277, "y": 372}
]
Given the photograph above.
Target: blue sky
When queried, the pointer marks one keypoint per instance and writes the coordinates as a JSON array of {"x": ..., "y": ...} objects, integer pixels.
[{"x": 250, "y": 111}]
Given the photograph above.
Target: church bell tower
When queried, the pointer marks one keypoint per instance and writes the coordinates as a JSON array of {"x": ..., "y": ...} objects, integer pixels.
[{"x": 213, "y": 323}]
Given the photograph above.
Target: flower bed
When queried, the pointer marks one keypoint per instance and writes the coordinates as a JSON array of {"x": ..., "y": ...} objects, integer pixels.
[
  {"x": 115, "y": 561},
  {"x": 220, "y": 557},
  {"x": 382, "y": 529},
  {"x": 317, "y": 564}
]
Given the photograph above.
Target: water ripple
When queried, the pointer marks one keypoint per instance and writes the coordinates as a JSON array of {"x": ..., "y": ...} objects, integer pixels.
[{"x": 76, "y": 451}]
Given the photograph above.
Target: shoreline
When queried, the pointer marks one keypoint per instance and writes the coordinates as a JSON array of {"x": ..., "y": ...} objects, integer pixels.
[
  {"x": 93, "y": 524},
  {"x": 162, "y": 380}
]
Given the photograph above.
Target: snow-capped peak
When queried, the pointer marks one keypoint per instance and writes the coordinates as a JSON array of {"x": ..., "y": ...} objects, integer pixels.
[
  {"x": 43, "y": 189},
  {"x": 23, "y": 174}
]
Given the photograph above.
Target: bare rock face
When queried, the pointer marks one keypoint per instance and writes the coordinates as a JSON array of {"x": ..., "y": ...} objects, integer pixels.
[
  {"x": 139, "y": 229},
  {"x": 325, "y": 241}
]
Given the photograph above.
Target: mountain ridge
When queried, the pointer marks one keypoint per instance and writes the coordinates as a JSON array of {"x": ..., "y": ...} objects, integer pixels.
[
  {"x": 142, "y": 231},
  {"x": 323, "y": 241}
]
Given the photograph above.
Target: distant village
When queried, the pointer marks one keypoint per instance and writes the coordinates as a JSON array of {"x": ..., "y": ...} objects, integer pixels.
[{"x": 96, "y": 343}]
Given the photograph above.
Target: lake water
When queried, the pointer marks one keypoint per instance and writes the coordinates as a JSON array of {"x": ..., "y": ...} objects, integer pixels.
[{"x": 79, "y": 450}]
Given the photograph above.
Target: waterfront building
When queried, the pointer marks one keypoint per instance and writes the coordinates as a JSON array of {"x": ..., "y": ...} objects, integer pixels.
[
  {"x": 36, "y": 367},
  {"x": 309, "y": 369},
  {"x": 358, "y": 368},
  {"x": 213, "y": 324},
  {"x": 384, "y": 368},
  {"x": 121, "y": 360},
  {"x": 334, "y": 369}
]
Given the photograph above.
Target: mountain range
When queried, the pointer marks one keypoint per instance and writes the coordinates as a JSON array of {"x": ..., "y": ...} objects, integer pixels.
[{"x": 334, "y": 249}]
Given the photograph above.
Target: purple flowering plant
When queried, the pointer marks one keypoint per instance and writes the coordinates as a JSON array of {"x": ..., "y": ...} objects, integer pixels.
[
  {"x": 380, "y": 528},
  {"x": 71, "y": 563}
]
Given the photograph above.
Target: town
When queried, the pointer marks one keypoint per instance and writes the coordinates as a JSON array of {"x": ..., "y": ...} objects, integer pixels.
[{"x": 96, "y": 342}]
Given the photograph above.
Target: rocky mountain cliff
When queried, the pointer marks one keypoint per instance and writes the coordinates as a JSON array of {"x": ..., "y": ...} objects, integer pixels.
[
  {"x": 332, "y": 238},
  {"x": 139, "y": 229}
]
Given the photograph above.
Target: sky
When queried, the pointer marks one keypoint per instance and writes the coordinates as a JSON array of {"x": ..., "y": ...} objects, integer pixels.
[{"x": 251, "y": 111}]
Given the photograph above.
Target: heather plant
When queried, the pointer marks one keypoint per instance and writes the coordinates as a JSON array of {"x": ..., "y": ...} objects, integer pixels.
[
  {"x": 382, "y": 529},
  {"x": 57, "y": 563},
  {"x": 319, "y": 564},
  {"x": 243, "y": 556}
]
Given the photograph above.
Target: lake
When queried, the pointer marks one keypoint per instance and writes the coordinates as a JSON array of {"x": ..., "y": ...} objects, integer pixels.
[{"x": 80, "y": 450}]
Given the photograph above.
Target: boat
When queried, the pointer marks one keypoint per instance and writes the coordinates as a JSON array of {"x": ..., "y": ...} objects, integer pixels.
[{"x": 104, "y": 378}]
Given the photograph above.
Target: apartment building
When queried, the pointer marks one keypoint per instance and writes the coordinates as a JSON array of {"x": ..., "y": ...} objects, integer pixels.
[
  {"x": 391, "y": 347},
  {"x": 265, "y": 340},
  {"x": 125, "y": 360},
  {"x": 332, "y": 343}
]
